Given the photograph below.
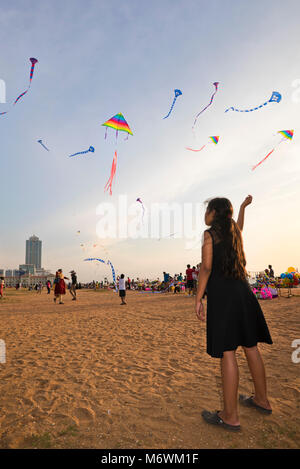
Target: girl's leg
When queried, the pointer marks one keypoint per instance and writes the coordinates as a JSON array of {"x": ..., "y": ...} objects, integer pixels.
[
  {"x": 257, "y": 370},
  {"x": 230, "y": 382}
]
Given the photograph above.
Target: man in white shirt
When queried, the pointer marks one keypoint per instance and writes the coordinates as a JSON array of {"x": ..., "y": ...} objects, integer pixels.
[{"x": 122, "y": 289}]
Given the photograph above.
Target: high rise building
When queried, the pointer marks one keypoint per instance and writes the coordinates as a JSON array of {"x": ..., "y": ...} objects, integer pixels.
[{"x": 34, "y": 252}]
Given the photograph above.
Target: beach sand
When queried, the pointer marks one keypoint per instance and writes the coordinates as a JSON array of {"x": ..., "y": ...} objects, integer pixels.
[{"x": 94, "y": 374}]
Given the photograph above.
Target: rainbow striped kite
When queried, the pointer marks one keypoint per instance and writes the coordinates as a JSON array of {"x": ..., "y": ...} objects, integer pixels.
[
  {"x": 118, "y": 122},
  {"x": 214, "y": 139},
  {"x": 286, "y": 135}
]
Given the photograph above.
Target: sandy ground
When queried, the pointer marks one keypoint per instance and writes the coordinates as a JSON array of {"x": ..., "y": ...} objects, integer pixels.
[{"x": 94, "y": 374}]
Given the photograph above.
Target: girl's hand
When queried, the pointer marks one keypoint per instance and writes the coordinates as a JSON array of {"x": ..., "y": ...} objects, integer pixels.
[
  {"x": 247, "y": 201},
  {"x": 200, "y": 311}
]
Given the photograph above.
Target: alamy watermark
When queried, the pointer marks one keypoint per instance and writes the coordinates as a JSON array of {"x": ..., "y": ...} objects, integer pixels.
[
  {"x": 2, "y": 92},
  {"x": 2, "y": 351},
  {"x": 121, "y": 220}
]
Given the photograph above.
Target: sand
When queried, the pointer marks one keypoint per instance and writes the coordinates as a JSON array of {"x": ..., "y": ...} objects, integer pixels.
[{"x": 94, "y": 374}]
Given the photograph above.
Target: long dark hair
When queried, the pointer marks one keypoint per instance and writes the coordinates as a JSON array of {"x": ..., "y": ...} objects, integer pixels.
[{"x": 227, "y": 231}]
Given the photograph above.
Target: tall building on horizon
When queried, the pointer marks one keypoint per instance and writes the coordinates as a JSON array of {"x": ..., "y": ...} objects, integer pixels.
[{"x": 34, "y": 252}]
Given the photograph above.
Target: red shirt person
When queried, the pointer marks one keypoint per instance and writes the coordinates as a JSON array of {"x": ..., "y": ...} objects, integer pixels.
[{"x": 189, "y": 278}]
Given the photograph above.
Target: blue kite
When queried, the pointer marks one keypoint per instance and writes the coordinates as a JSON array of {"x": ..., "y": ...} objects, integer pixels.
[{"x": 275, "y": 98}]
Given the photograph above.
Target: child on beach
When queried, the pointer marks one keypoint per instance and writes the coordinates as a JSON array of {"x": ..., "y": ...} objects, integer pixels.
[
  {"x": 234, "y": 316},
  {"x": 122, "y": 289}
]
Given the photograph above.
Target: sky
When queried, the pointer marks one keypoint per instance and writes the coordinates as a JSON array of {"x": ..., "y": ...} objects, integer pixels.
[{"x": 98, "y": 58}]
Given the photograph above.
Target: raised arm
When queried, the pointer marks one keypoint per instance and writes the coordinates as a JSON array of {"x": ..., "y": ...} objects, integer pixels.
[
  {"x": 240, "y": 220},
  {"x": 204, "y": 273}
]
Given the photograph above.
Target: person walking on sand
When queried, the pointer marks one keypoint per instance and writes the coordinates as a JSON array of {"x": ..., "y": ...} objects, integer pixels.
[
  {"x": 122, "y": 289},
  {"x": 73, "y": 285},
  {"x": 234, "y": 316},
  {"x": 189, "y": 279},
  {"x": 48, "y": 285},
  {"x": 60, "y": 286},
  {"x": 1, "y": 286}
]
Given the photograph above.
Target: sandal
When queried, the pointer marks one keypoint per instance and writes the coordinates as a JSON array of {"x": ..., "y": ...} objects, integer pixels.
[
  {"x": 214, "y": 419},
  {"x": 249, "y": 402}
]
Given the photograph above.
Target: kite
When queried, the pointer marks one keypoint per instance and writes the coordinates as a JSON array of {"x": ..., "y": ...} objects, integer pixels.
[
  {"x": 40, "y": 141},
  {"x": 118, "y": 123},
  {"x": 177, "y": 93},
  {"x": 33, "y": 62},
  {"x": 214, "y": 139},
  {"x": 139, "y": 200},
  {"x": 286, "y": 135},
  {"x": 216, "y": 84},
  {"x": 107, "y": 263},
  {"x": 275, "y": 98},
  {"x": 91, "y": 149}
]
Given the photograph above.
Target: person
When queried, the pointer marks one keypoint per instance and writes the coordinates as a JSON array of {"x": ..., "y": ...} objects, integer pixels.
[
  {"x": 128, "y": 283},
  {"x": 195, "y": 279},
  {"x": 39, "y": 287},
  {"x": 60, "y": 286},
  {"x": 48, "y": 285},
  {"x": 73, "y": 285},
  {"x": 234, "y": 316},
  {"x": 1, "y": 286},
  {"x": 189, "y": 279},
  {"x": 122, "y": 289},
  {"x": 271, "y": 272}
]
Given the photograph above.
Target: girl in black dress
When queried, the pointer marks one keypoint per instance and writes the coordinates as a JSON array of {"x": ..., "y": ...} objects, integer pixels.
[{"x": 234, "y": 316}]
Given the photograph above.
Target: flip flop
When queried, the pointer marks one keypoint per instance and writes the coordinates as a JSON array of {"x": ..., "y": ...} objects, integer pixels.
[
  {"x": 249, "y": 402},
  {"x": 214, "y": 419}
]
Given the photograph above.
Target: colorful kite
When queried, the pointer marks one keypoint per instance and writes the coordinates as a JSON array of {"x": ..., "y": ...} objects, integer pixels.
[
  {"x": 286, "y": 135},
  {"x": 214, "y": 139},
  {"x": 33, "y": 62},
  {"x": 139, "y": 200},
  {"x": 118, "y": 123},
  {"x": 91, "y": 149},
  {"x": 275, "y": 98},
  {"x": 216, "y": 84},
  {"x": 107, "y": 263},
  {"x": 40, "y": 141},
  {"x": 177, "y": 93}
]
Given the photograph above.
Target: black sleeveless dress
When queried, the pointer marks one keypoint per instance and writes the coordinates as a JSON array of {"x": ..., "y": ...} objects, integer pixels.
[{"x": 234, "y": 316}]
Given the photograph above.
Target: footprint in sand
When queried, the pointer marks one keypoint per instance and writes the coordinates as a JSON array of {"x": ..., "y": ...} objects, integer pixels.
[{"x": 84, "y": 415}]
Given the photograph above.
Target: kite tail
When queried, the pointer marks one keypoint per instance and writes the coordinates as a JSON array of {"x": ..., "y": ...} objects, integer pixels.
[
  {"x": 20, "y": 96},
  {"x": 211, "y": 100},
  {"x": 79, "y": 153},
  {"x": 171, "y": 108},
  {"x": 192, "y": 149},
  {"x": 112, "y": 174},
  {"x": 247, "y": 110},
  {"x": 263, "y": 159},
  {"x": 33, "y": 62},
  {"x": 113, "y": 274}
]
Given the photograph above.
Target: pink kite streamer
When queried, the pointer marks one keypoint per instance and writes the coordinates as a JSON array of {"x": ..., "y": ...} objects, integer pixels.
[{"x": 112, "y": 175}]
